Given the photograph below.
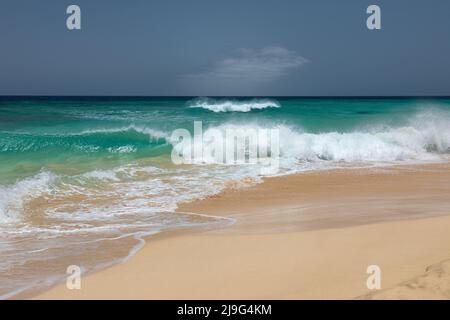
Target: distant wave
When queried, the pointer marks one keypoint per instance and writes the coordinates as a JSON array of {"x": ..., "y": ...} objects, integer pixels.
[{"x": 233, "y": 105}]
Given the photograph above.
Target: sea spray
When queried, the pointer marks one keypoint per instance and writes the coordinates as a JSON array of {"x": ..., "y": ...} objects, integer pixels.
[{"x": 225, "y": 105}]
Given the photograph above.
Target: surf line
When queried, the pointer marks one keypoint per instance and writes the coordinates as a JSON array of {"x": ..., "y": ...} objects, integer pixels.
[
  {"x": 140, "y": 236},
  {"x": 231, "y": 220}
]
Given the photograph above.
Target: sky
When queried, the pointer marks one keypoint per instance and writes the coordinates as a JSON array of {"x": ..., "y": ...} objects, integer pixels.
[{"x": 225, "y": 48}]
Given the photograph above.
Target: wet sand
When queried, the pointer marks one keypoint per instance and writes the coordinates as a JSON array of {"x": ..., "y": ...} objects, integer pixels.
[{"x": 309, "y": 235}]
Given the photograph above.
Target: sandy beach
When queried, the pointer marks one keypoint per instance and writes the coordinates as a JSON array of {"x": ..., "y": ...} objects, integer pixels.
[{"x": 304, "y": 236}]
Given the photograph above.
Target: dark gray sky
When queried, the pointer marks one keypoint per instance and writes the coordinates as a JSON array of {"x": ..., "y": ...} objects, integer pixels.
[{"x": 233, "y": 47}]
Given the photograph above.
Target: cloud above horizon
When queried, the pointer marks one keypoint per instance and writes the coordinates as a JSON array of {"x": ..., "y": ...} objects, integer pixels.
[{"x": 248, "y": 68}]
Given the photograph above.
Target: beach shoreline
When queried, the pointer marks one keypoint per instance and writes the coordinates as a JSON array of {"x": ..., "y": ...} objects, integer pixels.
[{"x": 288, "y": 244}]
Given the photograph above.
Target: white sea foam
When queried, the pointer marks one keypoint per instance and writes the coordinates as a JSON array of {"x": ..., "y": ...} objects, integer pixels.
[
  {"x": 233, "y": 106},
  {"x": 399, "y": 144},
  {"x": 101, "y": 175},
  {"x": 128, "y": 191},
  {"x": 424, "y": 137},
  {"x": 123, "y": 149}
]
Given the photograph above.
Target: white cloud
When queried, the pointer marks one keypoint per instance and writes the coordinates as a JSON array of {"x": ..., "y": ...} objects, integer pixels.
[{"x": 249, "y": 68}]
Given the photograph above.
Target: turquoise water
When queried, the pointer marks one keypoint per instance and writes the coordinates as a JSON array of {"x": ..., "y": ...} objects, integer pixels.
[
  {"x": 78, "y": 136},
  {"x": 85, "y": 173}
]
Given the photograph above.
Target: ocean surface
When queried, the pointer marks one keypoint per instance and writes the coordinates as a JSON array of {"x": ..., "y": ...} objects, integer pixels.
[{"x": 83, "y": 180}]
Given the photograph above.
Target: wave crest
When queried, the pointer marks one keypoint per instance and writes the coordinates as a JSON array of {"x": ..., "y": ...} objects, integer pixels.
[
  {"x": 424, "y": 137},
  {"x": 232, "y": 105}
]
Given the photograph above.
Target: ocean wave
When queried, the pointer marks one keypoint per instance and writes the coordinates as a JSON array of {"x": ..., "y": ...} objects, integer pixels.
[
  {"x": 233, "y": 105},
  {"x": 114, "y": 140},
  {"x": 426, "y": 136},
  {"x": 151, "y": 133},
  {"x": 398, "y": 144}
]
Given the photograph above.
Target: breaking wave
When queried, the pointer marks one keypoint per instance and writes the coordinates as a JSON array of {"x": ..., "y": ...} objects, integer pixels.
[
  {"x": 233, "y": 106},
  {"x": 426, "y": 136}
]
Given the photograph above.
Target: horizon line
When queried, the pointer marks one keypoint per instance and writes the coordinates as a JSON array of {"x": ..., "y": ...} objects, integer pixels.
[{"x": 237, "y": 96}]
